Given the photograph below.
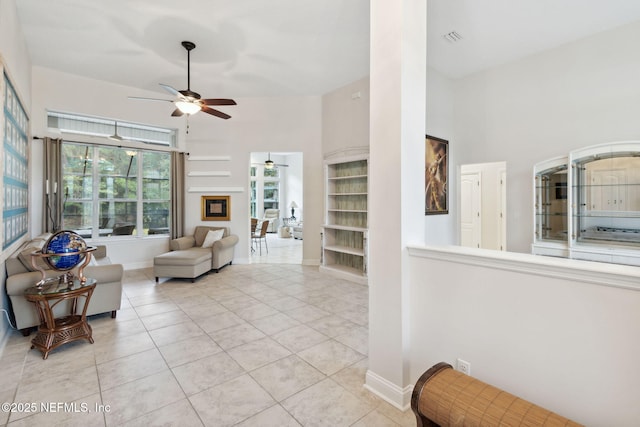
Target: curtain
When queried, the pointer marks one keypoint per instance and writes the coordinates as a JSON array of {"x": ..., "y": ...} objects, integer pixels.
[
  {"x": 52, "y": 183},
  {"x": 177, "y": 194}
]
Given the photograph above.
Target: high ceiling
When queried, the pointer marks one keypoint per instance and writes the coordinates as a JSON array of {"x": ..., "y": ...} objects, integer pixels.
[{"x": 287, "y": 47}]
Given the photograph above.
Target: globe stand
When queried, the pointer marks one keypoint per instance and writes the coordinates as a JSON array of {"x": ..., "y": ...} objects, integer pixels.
[{"x": 68, "y": 276}]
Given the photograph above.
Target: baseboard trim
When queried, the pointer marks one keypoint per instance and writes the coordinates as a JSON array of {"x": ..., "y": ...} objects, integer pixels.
[
  {"x": 308, "y": 261},
  {"x": 388, "y": 391}
]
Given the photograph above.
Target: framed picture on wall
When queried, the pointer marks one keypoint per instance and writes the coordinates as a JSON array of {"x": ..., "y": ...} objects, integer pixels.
[
  {"x": 436, "y": 176},
  {"x": 216, "y": 208}
]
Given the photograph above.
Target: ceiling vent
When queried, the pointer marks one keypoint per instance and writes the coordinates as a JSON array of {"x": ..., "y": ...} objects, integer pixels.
[{"x": 452, "y": 37}]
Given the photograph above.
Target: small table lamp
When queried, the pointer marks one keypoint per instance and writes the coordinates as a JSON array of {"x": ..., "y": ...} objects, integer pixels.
[{"x": 293, "y": 205}]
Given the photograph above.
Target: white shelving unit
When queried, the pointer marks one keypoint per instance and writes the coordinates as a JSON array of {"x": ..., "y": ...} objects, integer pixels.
[
  {"x": 587, "y": 205},
  {"x": 344, "y": 233}
]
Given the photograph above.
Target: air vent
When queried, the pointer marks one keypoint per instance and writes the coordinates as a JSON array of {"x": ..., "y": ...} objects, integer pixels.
[{"x": 452, "y": 37}]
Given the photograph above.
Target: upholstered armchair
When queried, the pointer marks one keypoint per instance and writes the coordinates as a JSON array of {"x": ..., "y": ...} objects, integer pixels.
[{"x": 273, "y": 216}]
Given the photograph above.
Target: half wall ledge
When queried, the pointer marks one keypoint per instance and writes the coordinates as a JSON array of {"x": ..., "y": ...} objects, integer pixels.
[{"x": 598, "y": 273}]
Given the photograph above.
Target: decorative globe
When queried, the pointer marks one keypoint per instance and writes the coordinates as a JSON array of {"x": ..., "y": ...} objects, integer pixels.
[{"x": 64, "y": 242}]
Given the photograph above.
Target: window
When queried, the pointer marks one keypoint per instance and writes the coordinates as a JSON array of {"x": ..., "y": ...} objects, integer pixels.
[
  {"x": 96, "y": 126},
  {"x": 271, "y": 188},
  {"x": 265, "y": 190},
  {"x": 111, "y": 191}
]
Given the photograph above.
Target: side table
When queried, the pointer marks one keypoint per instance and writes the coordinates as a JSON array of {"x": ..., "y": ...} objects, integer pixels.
[{"x": 54, "y": 332}]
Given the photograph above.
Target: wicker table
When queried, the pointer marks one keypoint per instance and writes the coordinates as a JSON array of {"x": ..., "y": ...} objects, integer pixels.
[{"x": 54, "y": 332}]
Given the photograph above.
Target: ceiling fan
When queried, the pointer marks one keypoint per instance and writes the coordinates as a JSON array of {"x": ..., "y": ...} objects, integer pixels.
[
  {"x": 187, "y": 101},
  {"x": 270, "y": 164}
]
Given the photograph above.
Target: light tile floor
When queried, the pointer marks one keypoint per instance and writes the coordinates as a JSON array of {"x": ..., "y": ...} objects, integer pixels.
[
  {"x": 280, "y": 251},
  {"x": 258, "y": 344}
]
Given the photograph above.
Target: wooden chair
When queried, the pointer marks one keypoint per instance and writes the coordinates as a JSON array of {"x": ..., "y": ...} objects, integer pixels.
[
  {"x": 254, "y": 225},
  {"x": 261, "y": 235}
]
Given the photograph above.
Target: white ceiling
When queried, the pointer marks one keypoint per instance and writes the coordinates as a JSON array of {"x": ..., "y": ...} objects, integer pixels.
[{"x": 287, "y": 47}]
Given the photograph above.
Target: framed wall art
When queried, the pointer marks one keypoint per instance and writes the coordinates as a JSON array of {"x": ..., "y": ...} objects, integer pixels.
[
  {"x": 436, "y": 176},
  {"x": 216, "y": 208}
]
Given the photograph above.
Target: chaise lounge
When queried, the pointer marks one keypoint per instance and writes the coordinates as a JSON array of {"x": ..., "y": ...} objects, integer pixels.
[{"x": 188, "y": 258}]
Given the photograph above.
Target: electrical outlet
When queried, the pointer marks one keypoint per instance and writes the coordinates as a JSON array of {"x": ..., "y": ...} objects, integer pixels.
[{"x": 463, "y": 366}]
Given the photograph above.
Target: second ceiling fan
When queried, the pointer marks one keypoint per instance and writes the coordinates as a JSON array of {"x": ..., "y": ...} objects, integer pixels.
[
  {"x": 270, "y": 164},
  {"x": 187, "y": 101}
]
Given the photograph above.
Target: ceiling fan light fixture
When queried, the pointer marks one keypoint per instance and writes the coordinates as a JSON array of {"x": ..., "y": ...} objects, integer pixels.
[
  {"x": 269, "y": 164},
  {"x": 188, "y": 107}
]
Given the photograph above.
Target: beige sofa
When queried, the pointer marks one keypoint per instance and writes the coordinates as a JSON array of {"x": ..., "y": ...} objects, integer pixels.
[
  {"x": 188, "y": 259},
  {"x": 273, "y": 216},
  {"x": 21, "y": 275}
]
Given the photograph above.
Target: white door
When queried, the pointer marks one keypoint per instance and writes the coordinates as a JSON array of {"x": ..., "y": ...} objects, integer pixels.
[
  {"x": 502, "y": 211},
  {"x": 470, "y": 221}
]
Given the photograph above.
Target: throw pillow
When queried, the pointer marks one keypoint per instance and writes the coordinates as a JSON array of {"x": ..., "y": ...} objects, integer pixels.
[{"x": 212, "y": 237}]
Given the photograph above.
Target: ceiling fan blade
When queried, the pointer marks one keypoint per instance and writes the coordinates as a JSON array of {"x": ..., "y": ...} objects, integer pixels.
[
  {"x": 190, "y": 94},
  {"x": 169, "y": 89},
  {"x": 216, "y": 113},
  {"x": 140, "y": 98},
  {"x": 218, "y": 101},
  {"x": 177, "y": 113}
]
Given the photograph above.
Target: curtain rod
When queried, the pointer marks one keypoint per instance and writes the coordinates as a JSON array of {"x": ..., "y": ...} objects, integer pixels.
[{"x": 169, "y": 149}]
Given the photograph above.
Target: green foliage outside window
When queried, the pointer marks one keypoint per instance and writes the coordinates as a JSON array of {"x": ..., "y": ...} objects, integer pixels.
[{"x": 131, "y": 184}]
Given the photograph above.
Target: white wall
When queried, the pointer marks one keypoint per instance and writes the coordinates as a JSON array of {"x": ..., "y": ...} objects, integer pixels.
[
  {"x": 345, "y": 117},
  {"x": 560, "y": 333},
  {"x": 442, "y": 229},
  {"x": 543, "y": 106},
  {"x": 260, "y": 125},
  {"x": 255, "y": 126}
]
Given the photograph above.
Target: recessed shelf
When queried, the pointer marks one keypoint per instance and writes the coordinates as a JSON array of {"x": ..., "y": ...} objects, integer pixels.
[
  {"x": 337, "y": 178},
  {"x": 209, "y": 173},
  {"x": 347, "y": 210},
  {"x": 344, "y": 237},
  {"x": 209, "y": 158},
  {"x": 345, "y": 250}
]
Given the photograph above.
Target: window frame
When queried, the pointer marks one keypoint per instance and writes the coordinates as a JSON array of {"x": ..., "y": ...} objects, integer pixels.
[{"x": 97, "y": 201}]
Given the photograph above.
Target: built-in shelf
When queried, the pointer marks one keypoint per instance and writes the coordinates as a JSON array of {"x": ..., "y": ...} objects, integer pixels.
[
  {"x": 587, "y": 204},
  {"x": 344, "y": 227},
  {"x": 215, "y": 190},
  {"x": 345, "y": 250},
  {"x": 209, "y": 158},
  {"x": 209, "y": 173},
  {"x": 337, "y": 178},
  {"x": 344, "y": 234}
]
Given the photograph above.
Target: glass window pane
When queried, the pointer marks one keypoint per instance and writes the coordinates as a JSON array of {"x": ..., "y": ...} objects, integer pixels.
[
  {"x": 121, "y": 214},
  {"x": 156, "y": 184},
  {"x": 118, "y": 171},
  {"x": 156, "y": 217},
  {"x": 77, "y": 161},
  {"x": 271, "y": 173},
  {"x": 78, "y": 216}
]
